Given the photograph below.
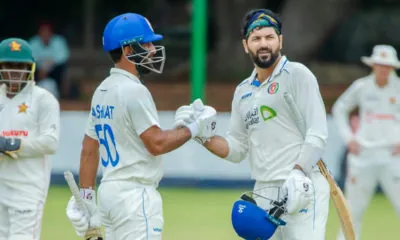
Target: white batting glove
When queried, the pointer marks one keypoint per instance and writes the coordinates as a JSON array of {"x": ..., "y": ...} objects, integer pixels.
[
  {"x": 299, "y": 190},
  {"x": 80, "y": 219},
  {"x": 207, "y": 120},
  {"x": 184, "y": 115},
  {"x": 200, "y": 119}
]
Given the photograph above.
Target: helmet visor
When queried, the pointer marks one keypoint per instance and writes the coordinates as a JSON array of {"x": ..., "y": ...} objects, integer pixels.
[
  {"x": 15, "y": 76},
  {"x": 147, "y": 56}
]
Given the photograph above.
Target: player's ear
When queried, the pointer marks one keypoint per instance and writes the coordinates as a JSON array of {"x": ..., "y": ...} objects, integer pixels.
[
  {"x": 244, "y": 42},
  {"x": 128, "y": 50},
  {"x": 281, "y": 41}
]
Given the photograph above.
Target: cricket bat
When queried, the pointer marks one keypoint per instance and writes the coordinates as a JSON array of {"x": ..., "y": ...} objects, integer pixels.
[
  {"x": 92, "y": 233},
  {"x": 339, "y": 201}
]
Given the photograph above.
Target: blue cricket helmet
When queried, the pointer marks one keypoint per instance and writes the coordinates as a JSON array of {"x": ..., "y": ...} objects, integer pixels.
[
  {"x": 252, "y": 222},
  {"x": 134, "y": 30},
  {"x": 128, "y": 28}
]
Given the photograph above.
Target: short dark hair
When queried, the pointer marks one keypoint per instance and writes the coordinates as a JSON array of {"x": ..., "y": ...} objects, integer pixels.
[
  {"x": 249, "y": 15},
  {"x": 115, "y": 55}
]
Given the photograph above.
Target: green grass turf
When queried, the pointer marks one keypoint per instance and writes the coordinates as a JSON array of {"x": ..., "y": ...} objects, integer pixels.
[{"x": 205, "y": 214}]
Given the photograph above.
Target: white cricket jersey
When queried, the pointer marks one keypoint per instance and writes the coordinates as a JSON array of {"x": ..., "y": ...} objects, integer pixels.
[
  {"x": 263, "y": 126},
  {"x": 379, "y": 111},
  {"x": 122, "y": 109},
  {"x": 33, "y": 115}
]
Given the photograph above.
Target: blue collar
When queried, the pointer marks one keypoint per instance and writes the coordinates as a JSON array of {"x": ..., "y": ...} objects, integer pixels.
[{"x": 281, "y": 64}]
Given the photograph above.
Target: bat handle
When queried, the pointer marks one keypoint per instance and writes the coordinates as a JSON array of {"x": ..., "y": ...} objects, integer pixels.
[{"x": 198, "y": 105}]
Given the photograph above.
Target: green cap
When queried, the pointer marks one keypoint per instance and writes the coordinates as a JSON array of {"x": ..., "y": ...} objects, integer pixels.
[{"x": 15, "y": 50}]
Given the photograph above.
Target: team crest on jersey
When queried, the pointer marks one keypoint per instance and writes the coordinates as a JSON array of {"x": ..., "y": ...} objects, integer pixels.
[
  {"x": 273, "y": 88},
  {"x": 392, "y": 100},
  {"x": 22, "y": 108}
]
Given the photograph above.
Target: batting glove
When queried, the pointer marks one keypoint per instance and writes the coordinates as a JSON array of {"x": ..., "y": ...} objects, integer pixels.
[
  {"x": 201, "y": 121},
  {"x": 184, "y": 115},
  {"x": 299, "y": 190},
  {"x": 81, "y": 219}
]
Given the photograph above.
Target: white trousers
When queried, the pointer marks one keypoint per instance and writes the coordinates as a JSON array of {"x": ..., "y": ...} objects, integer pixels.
[
  {"x": 130, "y": 211},
  {"x": 309, "y": 224},
  {"x": 21, "y": 212},
  {"x": 21, "y": 223},
  {"x": 364, "y": 172}
]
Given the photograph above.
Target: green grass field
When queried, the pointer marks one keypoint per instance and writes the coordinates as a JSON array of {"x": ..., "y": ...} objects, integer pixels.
[{"x": 205, "y": 214}]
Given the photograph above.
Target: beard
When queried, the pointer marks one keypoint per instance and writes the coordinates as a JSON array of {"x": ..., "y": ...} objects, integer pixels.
[{"x": 264, "y": 61}]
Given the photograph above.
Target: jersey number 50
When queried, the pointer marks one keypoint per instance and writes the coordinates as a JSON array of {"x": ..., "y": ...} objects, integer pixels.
[{"x": 106, "y": 138}]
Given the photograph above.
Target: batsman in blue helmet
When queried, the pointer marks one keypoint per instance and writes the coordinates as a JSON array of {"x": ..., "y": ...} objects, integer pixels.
[{"x": 123, "y": 135}]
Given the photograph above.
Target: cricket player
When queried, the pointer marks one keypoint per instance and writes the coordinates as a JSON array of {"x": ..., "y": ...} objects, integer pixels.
[
  {"x": 123, "y": 134},
  {"x": 282, "y": 161},
  {"x": 29, "y": 132},
  {"x": 374, "y": 150}
]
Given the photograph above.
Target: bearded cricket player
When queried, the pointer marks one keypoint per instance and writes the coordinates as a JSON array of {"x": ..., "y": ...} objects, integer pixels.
[
  {"x": 29, "y": 132},
  {"x": 123, "y": 134},
  {"x": 374, "y": 150},
  {"x": 263, "y": 127}
]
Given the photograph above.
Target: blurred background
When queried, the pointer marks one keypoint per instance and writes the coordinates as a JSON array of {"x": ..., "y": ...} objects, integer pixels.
[{"x": 329, "y": 36}]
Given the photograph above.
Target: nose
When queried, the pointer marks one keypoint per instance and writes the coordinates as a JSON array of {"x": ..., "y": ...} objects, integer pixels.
[
  {"x": 264, "y": 42},
  {"x": 150, "y": 47}
]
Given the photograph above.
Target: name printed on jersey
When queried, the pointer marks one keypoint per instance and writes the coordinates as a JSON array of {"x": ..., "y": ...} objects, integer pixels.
[{"x": 103, "y": 111}]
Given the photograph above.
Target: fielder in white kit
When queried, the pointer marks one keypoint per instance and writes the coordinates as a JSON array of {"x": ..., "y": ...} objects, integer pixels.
[
  {"x": 29, "y": 131},
  {"x": 123, "y": 130},
  {"x": 263, "y": 126},
  {"x": 374, "y": 151}
]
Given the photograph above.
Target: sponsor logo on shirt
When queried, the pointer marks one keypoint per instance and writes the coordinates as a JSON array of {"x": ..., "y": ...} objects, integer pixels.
[
  {"x": 14, "y": 133},
  {"x": 267, "y": 112},
  {"x": 253, "y": 115},
  {"x": 304, "y": 210},
  {"x": 246, "y": 95},
  {"x": 370, "y": 116}
]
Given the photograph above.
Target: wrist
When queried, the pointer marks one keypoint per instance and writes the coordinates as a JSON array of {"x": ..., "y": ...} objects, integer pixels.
[
  {"x": 88, "y": 194},
  {"x": 298, "y": 168},
  {"x": 193, "y": 128}
]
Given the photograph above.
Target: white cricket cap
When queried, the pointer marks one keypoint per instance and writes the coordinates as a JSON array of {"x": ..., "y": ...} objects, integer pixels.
[{"x": 383, "y": 55}]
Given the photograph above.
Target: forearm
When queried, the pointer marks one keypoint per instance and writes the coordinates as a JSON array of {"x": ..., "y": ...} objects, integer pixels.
[
  {"x": 88, "y": 168},
  {"x": 218, "y": 146},
  {"x": 308, "y": 157},
  {"x": 230, "y": 149},
  {"x": 169, "y": 140},
  {"x": 89, "y": 162},
  {"x": 43, "y": 145}
]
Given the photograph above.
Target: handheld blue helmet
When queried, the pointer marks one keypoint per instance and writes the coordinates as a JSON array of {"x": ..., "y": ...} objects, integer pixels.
[
  {"x": 252, "y": 222},
  {"x": 134, "y": 30}
]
